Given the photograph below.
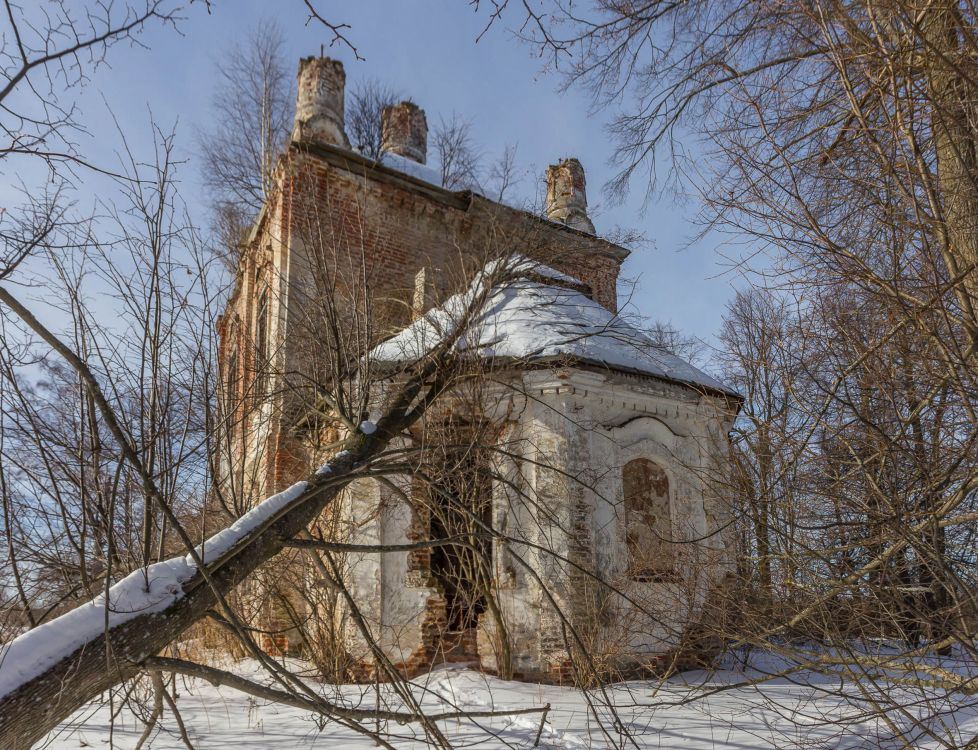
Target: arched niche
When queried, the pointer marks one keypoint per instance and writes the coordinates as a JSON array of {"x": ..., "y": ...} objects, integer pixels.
[{"x": 648, "y": 520}]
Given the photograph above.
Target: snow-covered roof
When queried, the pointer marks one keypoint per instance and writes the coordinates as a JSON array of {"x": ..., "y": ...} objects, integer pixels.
[
  {"x": 531, "y": 318},
  {"x": 410, "y": 167}
]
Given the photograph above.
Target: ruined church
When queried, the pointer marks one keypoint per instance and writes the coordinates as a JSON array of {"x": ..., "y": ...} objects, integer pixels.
[{"x": 594, "y": 458}]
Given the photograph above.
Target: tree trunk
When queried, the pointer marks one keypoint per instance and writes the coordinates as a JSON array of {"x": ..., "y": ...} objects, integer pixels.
[
  {"x": 950, "y": 67},
  {"x": 39, "y": 705}
]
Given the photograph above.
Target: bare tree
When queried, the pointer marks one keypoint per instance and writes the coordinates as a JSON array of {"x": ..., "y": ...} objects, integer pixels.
[
  {"x": 458, "y": 157},
  {"x": 364, "y": 107},
  {"x": 670, "y": 339},
  {"x": 463, "y": 165},
  {"x": 503, "y": 175},
  {"x": 252, "y": 115},
  {"x": 836, "y": 141},
  {"x": 758, "y": 358}
]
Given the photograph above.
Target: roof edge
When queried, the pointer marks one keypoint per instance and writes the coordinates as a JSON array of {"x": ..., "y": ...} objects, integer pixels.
[
  {"x": 351, "y": 161},
  {"x": 462, "y": 200},
  {"x": 567, "y": 360}
]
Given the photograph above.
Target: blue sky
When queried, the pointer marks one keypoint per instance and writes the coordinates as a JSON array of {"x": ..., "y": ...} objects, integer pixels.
[{"x": 428, "y": 50}]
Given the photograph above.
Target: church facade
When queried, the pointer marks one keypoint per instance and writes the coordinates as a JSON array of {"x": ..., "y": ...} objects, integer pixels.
[{"x": 591, "y": 487}]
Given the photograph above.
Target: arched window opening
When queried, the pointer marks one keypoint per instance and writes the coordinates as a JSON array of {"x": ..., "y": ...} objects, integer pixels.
[
  {"x": 261, "y": 344},
  {"x": 231, "y": 383},
  {"x": 648, "y": 521}
]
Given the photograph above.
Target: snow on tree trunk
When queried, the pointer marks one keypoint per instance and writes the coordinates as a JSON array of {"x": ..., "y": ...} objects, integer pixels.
[{"x": 49, "y": 672}]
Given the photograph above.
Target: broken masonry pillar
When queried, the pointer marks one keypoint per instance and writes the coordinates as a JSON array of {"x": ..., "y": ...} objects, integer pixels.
[
  {"x": 319, "y": 104},
  {"x": 566, "y": 196},
  {"x": 404, "y": 131}
]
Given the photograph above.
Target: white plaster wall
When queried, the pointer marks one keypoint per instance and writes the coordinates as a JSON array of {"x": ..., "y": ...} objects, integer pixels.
[
  {"x": 589, "y": 427},
  {"x": 517, "y": 595},
  {"x": 361, "y": 524},
  {"x": 569, "y": 438},
  {"x": 403, "y": 604}
]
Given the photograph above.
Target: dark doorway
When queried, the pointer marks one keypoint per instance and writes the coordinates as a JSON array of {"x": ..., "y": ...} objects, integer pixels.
[{"x": 460, "y": 505}]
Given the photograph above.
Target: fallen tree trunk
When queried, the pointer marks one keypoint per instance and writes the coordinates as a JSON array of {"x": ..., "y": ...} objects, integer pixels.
[
  {"x": 33, "y": 704},
  {"x": 30, "y": 711}
]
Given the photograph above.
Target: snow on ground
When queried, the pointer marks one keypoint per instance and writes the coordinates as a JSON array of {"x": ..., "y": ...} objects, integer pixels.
[{"x": 783, "y": 713}]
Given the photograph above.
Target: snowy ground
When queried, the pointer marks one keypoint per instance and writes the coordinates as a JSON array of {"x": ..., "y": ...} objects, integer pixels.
[{"x": 726, "y": 715}]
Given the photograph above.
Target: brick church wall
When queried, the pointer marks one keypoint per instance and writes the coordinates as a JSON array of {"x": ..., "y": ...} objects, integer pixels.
[{"x": 338, "y": 218}]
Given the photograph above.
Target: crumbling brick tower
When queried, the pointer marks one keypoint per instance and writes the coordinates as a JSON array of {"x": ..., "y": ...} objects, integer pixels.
[
  {"x": 353, "y": 223},
  {"x": 386, "y": 225},
  {"x": 338, "y": 224}
]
